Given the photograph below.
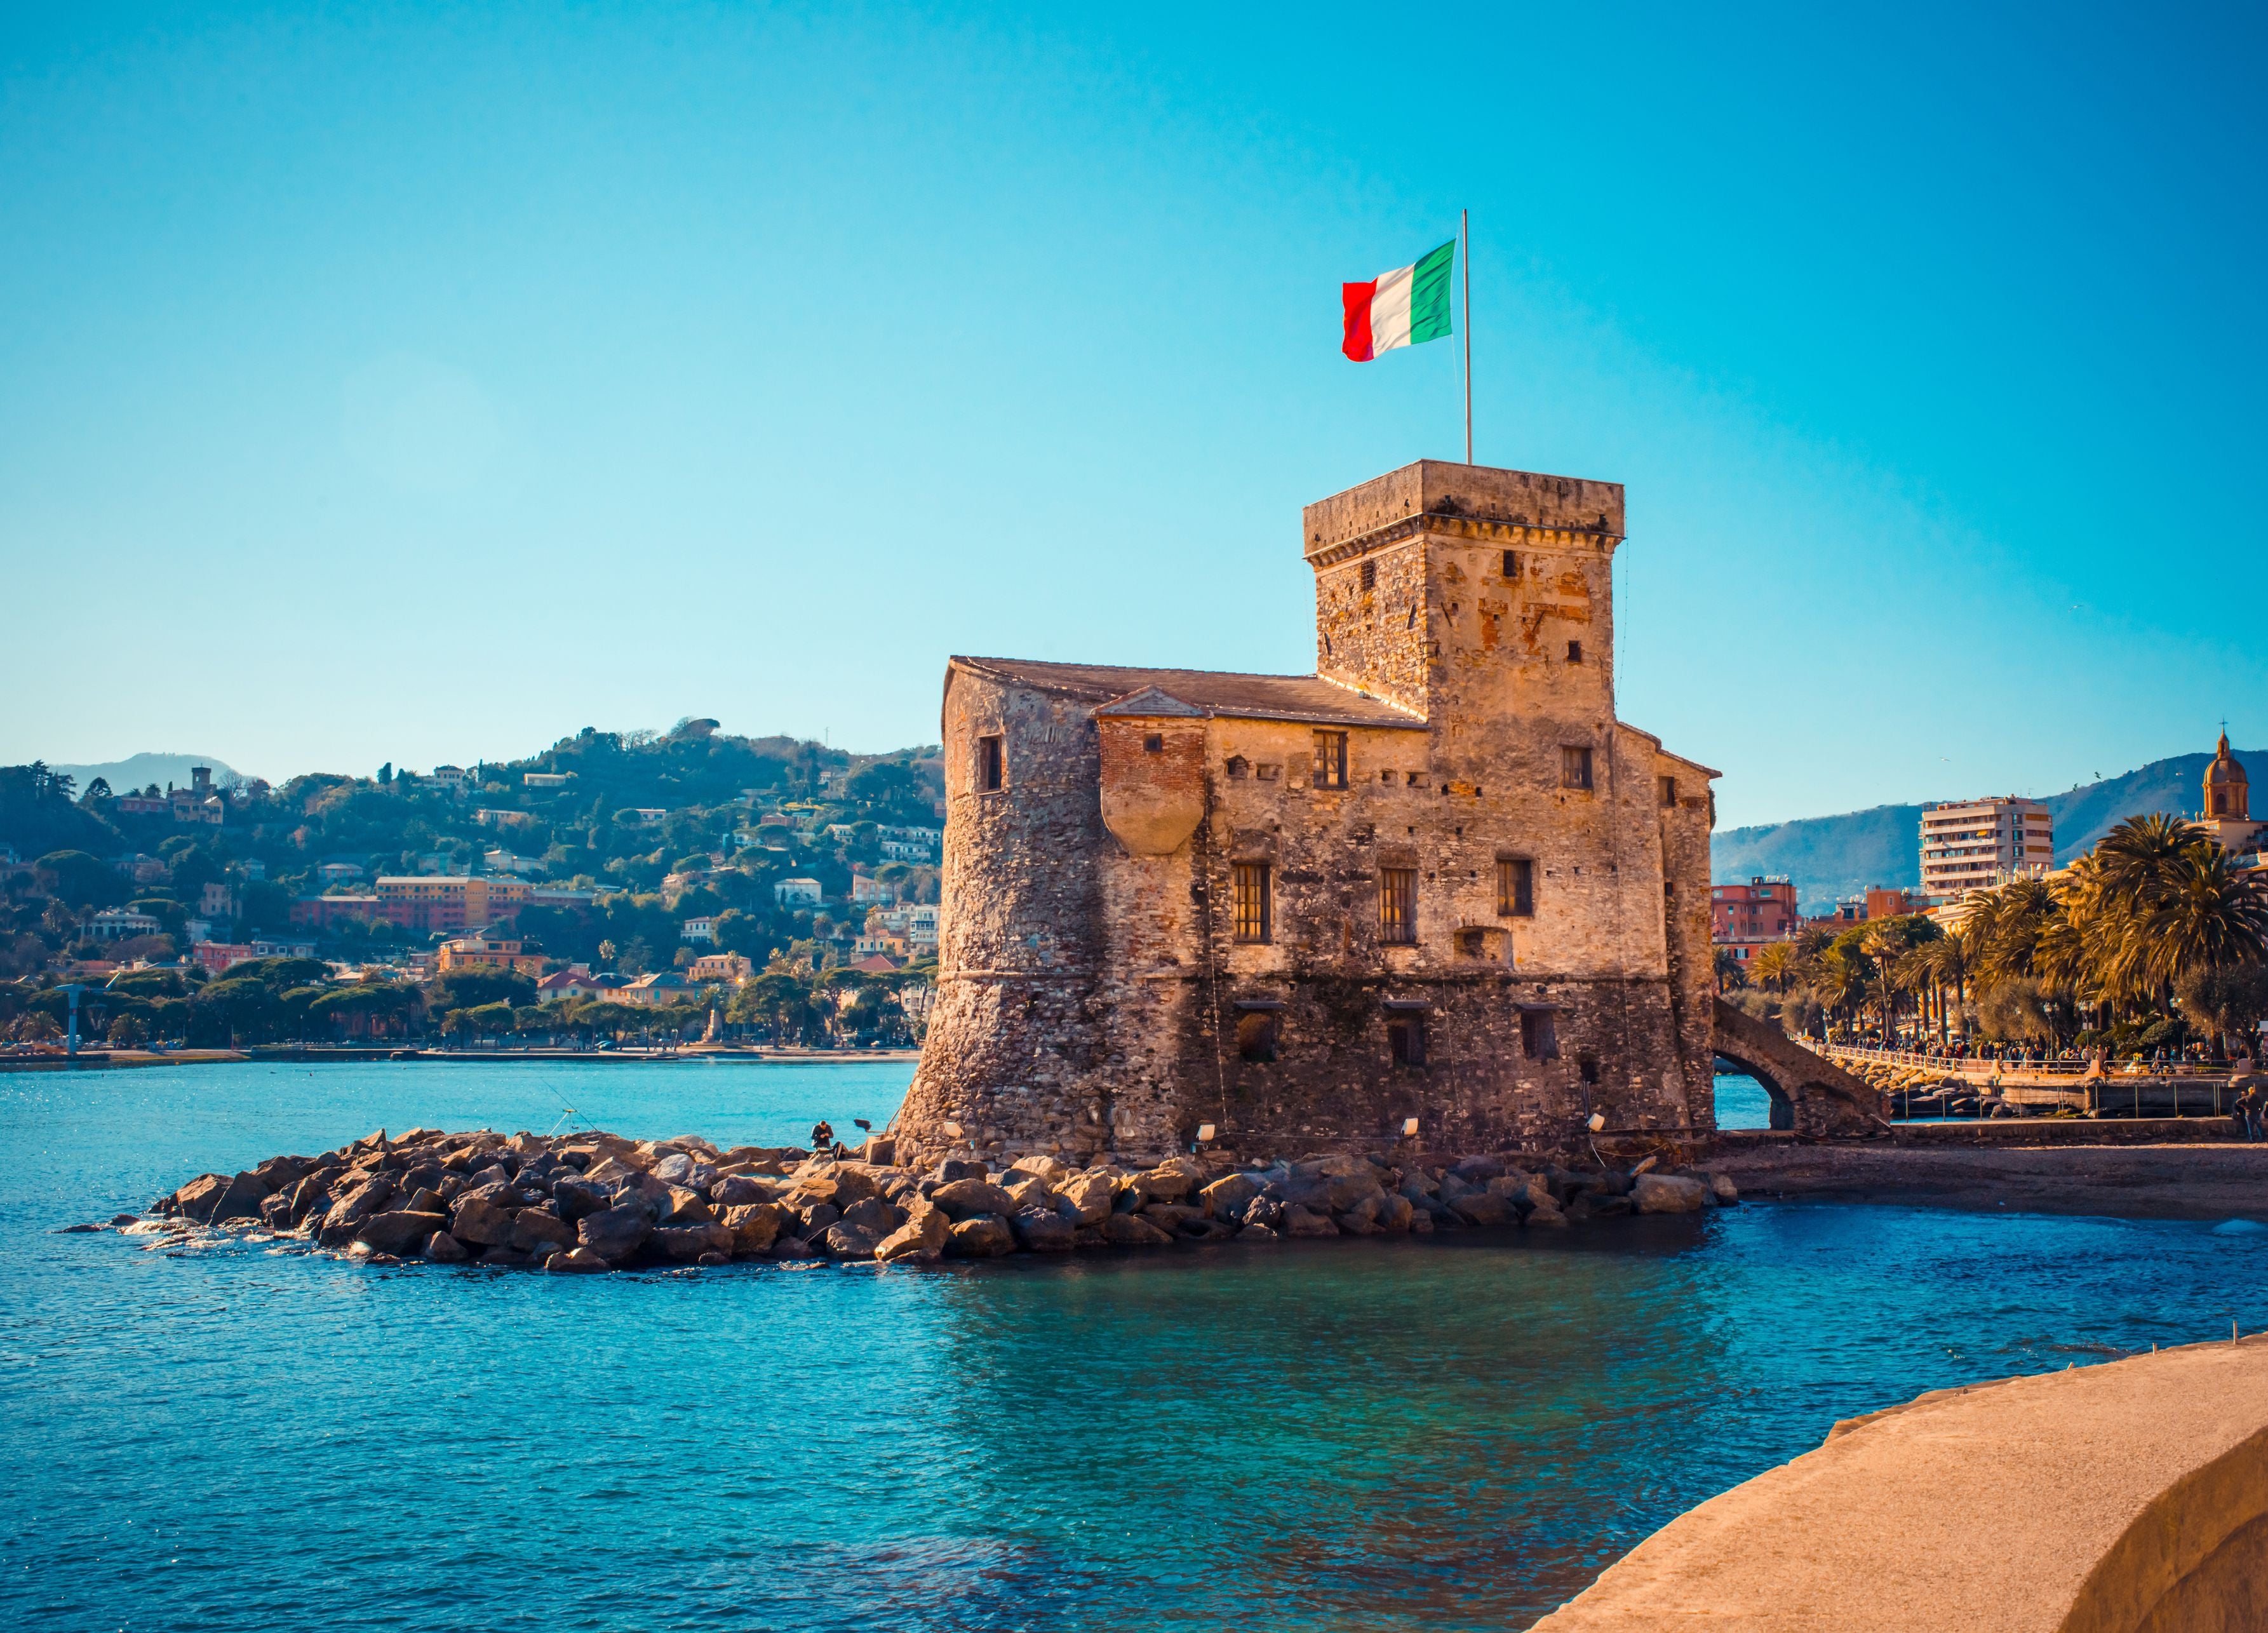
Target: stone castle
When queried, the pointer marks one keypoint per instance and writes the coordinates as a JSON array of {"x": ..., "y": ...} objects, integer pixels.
[{"x": 1435, "y": 893}]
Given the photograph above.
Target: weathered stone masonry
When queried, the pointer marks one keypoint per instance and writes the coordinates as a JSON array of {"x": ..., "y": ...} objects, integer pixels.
[{"x": 1095, "y": 998}]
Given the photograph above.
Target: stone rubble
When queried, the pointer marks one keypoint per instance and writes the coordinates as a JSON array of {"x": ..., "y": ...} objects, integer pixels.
[{"x": 594, "y": 1202}]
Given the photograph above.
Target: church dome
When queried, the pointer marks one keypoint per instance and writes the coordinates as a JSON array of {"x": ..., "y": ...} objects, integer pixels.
[
  {"x": 2227, "y": 792},
  {"x": 2226, "y": 768}
]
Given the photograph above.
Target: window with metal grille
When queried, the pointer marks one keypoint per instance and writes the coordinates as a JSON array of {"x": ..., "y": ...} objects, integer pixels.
[
  {"x": 1512, "y": 563},
  {"x": 1669, "y": 791},
  {"x": 1398, "y": 905},
  {"x": 1370, "y": 575},
  {"x": 1330, "y": 759},
  {"x": 1515, "y": 887},
  {"x": 1405, "y": 1038},
  {"x": 1574, "y": 768},
  {"x": 991, "y": 766},
  {"x": 1255, "y": 1037},
  {"x": 1254, "y": 911}
]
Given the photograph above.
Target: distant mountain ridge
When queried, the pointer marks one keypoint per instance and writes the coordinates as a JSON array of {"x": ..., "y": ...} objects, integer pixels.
[
  {"x": 1840, "y": 856},
  {"x": 141, "y": 770}
]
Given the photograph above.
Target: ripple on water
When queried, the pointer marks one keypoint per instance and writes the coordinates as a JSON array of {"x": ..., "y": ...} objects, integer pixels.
[{"x": 1447, "y": 1434}]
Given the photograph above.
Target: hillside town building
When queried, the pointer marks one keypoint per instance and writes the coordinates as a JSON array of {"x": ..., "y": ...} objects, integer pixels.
[
  {"x": 1975, "y": 844},
  {"x": 1432, "y": 892}
]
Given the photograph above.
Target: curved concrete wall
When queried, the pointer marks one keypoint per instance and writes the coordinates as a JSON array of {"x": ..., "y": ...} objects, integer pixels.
[{"x": 2130, "y": 1498}]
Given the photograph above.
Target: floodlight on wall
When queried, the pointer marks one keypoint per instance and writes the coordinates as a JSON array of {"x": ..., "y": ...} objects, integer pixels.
[
  {"x": 1598, "y": 1122},
  {"x": 1409, "y": 1127},
  {"x": 1206, "y": 1131}
]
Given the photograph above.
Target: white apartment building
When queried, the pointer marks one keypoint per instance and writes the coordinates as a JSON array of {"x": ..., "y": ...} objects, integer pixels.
[{"x": 1975, "y": 844}]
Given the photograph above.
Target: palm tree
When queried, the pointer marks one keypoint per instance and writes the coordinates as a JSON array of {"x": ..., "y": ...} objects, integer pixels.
[
  {"x": 1730, "y": 974},
  {"x": 1775, "y": 967},
  {"x": 2208, "y": 915}
]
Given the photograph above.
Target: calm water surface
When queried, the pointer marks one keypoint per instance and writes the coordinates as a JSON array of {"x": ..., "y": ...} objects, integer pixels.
[{"x": 1378, "y": 1434}]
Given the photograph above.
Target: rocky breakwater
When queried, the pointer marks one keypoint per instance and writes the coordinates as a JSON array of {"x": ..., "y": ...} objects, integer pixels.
[{"x": 595, "y": 1201}]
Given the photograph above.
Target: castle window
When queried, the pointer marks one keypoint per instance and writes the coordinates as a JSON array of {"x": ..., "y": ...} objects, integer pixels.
[
  {"x": 1512, "y": 563},
  {"x": 1330, "y": 760},
  {"x": 1515, "y": 887},
  {"x": 1238, "y": 765},
  {"x": 1574, "y": 651},
  {"x": 1539, "y": 1034},
  {"x": 1255, "y": 1036},
  {"x": 1153, "y": 744},
  {"x": 1386, "y": 776},
  {"x": 1574, "y": 768},
  {"x": 1588, "y": 1064},
  {"x": 1398, "y": 905},
  {"x": 1255, "y": 906},
  {"x": 1370, "y": 575},
  {"x": 1669, "y": 791},
  {"x": 1405, "y": 1038},
  {"x": 991, "y": 766}
]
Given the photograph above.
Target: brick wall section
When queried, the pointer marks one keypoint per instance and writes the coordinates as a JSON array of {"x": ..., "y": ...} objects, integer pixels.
[{"x": 1091, "y": 988}]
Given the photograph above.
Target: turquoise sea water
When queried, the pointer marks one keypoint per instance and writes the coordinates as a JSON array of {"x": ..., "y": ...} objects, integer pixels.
[{"x": 1446, "y": 1434}]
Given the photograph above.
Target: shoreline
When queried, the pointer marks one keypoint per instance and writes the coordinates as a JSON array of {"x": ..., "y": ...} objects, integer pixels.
[
  {"x": 2187, "y": 1181},
  {"x": 310, "y": 1054}
]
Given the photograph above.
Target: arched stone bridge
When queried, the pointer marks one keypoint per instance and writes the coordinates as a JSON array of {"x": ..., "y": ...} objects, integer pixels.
[{"x": 1810, "y": 1094}]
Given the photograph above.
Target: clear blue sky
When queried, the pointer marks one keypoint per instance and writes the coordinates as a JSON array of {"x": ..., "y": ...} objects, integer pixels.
[{"x": 408, "y": 383}]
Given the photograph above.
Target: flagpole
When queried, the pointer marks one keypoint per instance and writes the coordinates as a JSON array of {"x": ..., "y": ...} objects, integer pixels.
[{"x": 1465, "y": 232}]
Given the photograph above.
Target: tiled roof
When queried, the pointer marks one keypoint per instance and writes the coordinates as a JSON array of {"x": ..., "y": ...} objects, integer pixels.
[{"x": 1306, "y": 698}]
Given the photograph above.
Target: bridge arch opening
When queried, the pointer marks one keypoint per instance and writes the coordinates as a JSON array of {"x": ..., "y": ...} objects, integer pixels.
[{"x": 1783, "y": 1108}]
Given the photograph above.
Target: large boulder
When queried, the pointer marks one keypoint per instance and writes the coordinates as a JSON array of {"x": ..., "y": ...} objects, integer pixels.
[
  {"x": 478, "y": 1221},
  {"x": 1042, "y": 1229},
  {"x": 347, "y": 1214},
  {"x": 737, "y": 1191},
  {"x": 1481, "y": 1208},
  {"x": 1722, "y": 1189},
  {"x": 577, "y": 1198},
  {"x": 846, "y": 1240},
  {"x": 311, "y": 1192},
  {"x": 533, "y": 1229},
  {"x": 1171, "y": 1179},
  {"x": 581, "y": 1259},
  {"x": 211, "y": 1199},
  {"x": 616, "y": 1234},
  {"x": 874, "y": 1216},
  {"x": 442, "y": 1248},
  {"x": 684, "y": 1206},
  {"x": 922, "y": 1235},
  {"x": 1228, "y": 1198},
  {"x": 1300, "y": 1220},
  {"x": 1174, "y": 1218},
  {"x": 399, "y": 1232},
  {"x": 980, "y": 1236},
  {"x": 972, "y": 1198},
  {"x": 952, "y": 1168},
  {"x": 686, "y": 1243},
  {"x": 1394, "y": 1213},
  {"x": 1087, "y": 1199},
  {"x": 1668, "y": 1193},
  {"x": 1028, "y": 1190},
  {"x": 754, "y": 1226},
  {"x": 1132, "y": 1230}
]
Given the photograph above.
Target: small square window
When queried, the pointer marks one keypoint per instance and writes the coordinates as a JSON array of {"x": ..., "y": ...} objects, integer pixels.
[
  {"x": 1370, "y": 575},
  {"x": 1330, "y": 760},
  {"x": 1515, "y": 887},
  {"x": 1398, "y": 905},
  {"x": 1153, "y": 744},
  {"x": 1254, "y": 903},
  {"x": 991, "y": 766},
  {"x": 1512, "y": 563},
  {"x": 1574, "y": 768},
  {"x": 1574, "y": 651},
  {"x": 1405, "y": 1038}
]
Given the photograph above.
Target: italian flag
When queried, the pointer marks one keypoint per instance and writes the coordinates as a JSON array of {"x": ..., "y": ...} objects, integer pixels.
[{"x": 1403, "y": 307}]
